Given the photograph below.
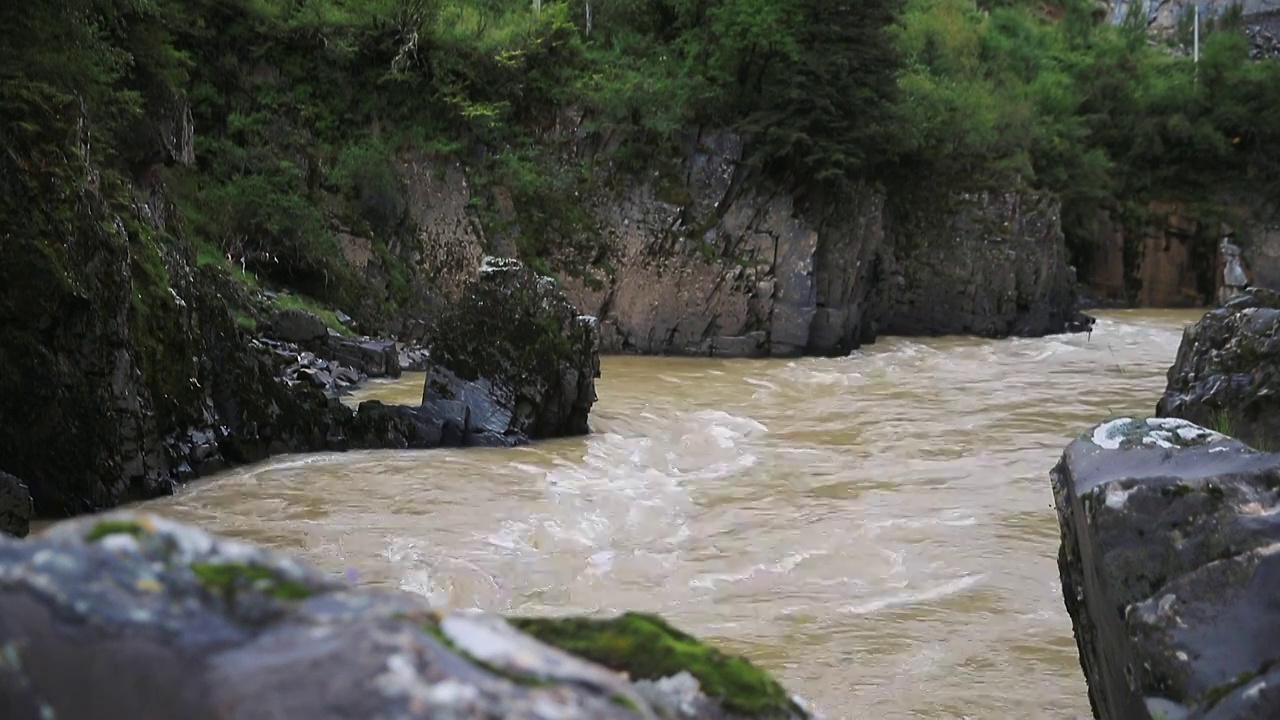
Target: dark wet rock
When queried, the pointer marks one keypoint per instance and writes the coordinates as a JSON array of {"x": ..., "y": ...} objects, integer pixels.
[
  {"x": 414, "y": 359},
  {"x": 989, "y": 264},
  {"x": 517, "y": 354},
  {"x": 15, "y": 506},
  {"x": 1227, "y": 371},
  {"x": 126, "y": 615},
  {"x": 374, "y": 358},
  {"x": 1170, "y": 565},
  {"x": 296, "y": 326}
]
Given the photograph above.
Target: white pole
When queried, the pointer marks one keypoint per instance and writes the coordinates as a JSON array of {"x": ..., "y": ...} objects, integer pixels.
[
  {"x": 537, "y": 7},
  {"x": 1196, "y": 33}
]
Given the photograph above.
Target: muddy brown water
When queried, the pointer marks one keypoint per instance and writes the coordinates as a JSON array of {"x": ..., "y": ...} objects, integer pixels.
[{"x": 878, "y": 530}]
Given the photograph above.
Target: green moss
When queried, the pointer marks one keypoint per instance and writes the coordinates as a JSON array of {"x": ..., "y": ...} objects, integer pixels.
[
  {"x": 229, "y": 578},
  {"x": 1218, "y": 692},
  {"x": 300, "y": 302},
  {"x": 647, "y": 648},
  {"x": 115, "y": 527}
]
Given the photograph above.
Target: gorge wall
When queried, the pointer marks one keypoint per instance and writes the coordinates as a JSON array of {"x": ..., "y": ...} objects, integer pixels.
[
  {"x": 717, "y": 261},
  {"x": 1172, "y": 255}
]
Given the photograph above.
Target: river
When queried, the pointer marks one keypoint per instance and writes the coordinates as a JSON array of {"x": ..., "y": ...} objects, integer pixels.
[{"x": 878, "y": 530}]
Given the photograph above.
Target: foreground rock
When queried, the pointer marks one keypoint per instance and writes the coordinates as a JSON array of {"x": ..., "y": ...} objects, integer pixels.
[
  {"x": 1170, "y": 565},
  {"x": 1227, "y": 372},
  {"x": 134, "y": 616},
  {"x": 15, "y": 506}
]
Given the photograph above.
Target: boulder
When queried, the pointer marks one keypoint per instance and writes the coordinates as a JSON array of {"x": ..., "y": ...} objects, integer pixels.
[
  {"x": 1170, "y": 566},
  {"x": 374, "y": 357},
  {"x": 15, "y": 506},
  {"x": 296, "y": 326},
  {"x": 127, "y": 615},
  {"x": 1227, "y": 371},
  {"x": 517, "y": 354}
]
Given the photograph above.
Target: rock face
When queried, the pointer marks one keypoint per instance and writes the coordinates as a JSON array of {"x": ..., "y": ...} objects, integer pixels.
[
  {"x": 1228, "y": 368},
  {"x": 134, "y": 616},
  {"x": 15, "y": 506},
  {"x": 984, "y": 264},
  {"x": 1170, "y": 564},
  {"x": 1163, "y": 16},
  {"x": 726, "y": 266}
]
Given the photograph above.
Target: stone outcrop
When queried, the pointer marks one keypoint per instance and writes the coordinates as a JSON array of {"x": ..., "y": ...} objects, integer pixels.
[
  {"x": 1170, "y": 565},
  {"x": 15, "y": 506},
  {"x": 1174, "y": 258},
  {"x": 988, "y": 264},
  {"x": 1227, "y": 371},
  {"x": 134, "y": 616},
  {"x": 725, "y": 265},
  {"x": 517, "y": 354}
]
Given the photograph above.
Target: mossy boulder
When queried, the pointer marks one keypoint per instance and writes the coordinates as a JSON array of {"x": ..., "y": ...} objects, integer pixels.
[
  {"x": 646, "y": 647},
  {"x": 193, "y": 625},
  {"x": 517, "y": 353}
]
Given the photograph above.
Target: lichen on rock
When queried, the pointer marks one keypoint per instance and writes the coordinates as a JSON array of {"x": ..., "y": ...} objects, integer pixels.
[{"x": 1170, "y": 556}]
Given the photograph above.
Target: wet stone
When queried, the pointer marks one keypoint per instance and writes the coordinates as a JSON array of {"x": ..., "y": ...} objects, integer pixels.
[
  {"x": 1170, "y": 561},
  {"x": 193, "y": 625}
]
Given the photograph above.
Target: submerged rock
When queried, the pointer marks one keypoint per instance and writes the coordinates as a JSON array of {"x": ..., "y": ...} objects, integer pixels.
[
  {"x": 15, "y": 506},
  {"x": 127, "y": 615},
  {"x": 1227, "y": 372},
  {"x": 1170, "y": 565}
]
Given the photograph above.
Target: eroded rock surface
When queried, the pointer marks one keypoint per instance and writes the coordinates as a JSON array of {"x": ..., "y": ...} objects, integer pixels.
[
  {"x": 1170, "y": 564},
  {"x": 1227, "y": 371},
  {"x": 719, "y": 263},
  {"x": 127, "y": 615}
]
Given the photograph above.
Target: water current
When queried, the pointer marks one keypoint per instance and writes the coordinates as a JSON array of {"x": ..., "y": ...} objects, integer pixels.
[{"x": 877, "y": 530}]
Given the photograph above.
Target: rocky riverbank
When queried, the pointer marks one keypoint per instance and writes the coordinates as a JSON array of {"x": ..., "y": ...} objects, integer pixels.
[
  {"x": 1169, "y": 539},
  {"x": 196, "y": 626},
  {"x": 514, "y": 361}
]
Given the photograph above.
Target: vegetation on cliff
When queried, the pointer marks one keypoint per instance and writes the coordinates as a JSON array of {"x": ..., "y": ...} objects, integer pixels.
[{"x": 305, "y": 111}]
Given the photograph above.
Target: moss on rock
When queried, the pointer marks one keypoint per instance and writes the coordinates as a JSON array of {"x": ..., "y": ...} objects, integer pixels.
[
  {"x": 646, "y": 647},
  {"x": 115, "y": 527},
  {"x": 231, "y": 578}
]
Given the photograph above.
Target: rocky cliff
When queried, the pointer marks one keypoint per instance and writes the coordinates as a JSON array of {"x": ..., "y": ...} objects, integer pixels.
[
  {"x": 134, "y": 616},
  {"x": 1169, "y": 565},
  {"x": 717, "y": 261},
  {"x": 122, "y": 368},
  {"x": 1172, "y": 257}
]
